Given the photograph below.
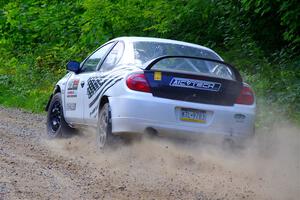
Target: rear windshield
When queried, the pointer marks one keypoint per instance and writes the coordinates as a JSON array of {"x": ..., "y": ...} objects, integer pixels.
[
  {"x": 145, "y": 51},
  {"x": 195, "y": 66}
]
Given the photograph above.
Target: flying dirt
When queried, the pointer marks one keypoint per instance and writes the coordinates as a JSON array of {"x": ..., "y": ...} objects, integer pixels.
[{"x": 34, "y": 167}]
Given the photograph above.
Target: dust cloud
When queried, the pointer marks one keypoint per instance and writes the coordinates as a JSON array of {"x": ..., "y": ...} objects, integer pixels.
[{"x": 268, "y": 167}]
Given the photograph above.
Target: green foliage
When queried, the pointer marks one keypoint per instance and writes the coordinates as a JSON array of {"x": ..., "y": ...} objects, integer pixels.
[
  {"x": 260, "y": 37},
  {"x": 284, "y": 14}
]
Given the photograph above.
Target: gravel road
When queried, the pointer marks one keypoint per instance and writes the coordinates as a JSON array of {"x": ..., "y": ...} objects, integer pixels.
[{"x": 34, "y": 167}]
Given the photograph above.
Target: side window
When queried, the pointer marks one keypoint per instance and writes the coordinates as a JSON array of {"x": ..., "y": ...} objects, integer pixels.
[
  {"x": 113, "y": 57},
  {"x": 91, "y": 63}
]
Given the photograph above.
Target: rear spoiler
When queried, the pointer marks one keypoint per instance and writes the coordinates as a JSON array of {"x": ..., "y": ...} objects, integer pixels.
[{"x": 151, "y": 63}]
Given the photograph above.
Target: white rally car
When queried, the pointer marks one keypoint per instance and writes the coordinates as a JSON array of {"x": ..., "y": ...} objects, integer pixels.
[{"x": 150, "y": 85}]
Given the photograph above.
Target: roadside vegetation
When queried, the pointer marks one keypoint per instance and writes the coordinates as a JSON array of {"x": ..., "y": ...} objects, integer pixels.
[{"x": 261, "y": 38}]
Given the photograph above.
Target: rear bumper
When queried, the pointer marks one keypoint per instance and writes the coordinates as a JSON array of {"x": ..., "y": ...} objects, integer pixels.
[{"x": 138, "y": 113}]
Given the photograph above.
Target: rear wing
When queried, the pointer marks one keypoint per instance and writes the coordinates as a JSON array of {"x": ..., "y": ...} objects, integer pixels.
[{"x": 236, "y": 73}]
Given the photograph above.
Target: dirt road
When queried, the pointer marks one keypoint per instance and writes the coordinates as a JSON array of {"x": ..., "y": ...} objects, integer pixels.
[{"x": 33, "y": 167}]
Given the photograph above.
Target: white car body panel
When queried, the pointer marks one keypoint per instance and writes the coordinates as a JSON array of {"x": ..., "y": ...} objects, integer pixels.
[{"x": 135, "y": 112}]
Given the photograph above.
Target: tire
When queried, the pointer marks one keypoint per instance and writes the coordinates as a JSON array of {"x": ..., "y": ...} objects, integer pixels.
[
  {"x": 56, "y": 124},
  {"x": 104, "y": 128}
]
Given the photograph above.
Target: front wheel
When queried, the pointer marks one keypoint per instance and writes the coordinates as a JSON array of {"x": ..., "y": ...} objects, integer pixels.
[
  {"x": 104, "y": 128},
  {"x": 56, "y": 124}
]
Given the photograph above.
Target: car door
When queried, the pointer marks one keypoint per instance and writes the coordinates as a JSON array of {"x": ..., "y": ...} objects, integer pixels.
[
  {"x": 101, "y": 80},
  {"x": 76, "y": 87}
]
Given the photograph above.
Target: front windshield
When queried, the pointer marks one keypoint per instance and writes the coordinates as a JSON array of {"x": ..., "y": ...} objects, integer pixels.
[{"x": 145, "y": 51}]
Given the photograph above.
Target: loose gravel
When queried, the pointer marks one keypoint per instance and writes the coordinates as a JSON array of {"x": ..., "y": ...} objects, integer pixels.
[{"x": 35, "y": 167}]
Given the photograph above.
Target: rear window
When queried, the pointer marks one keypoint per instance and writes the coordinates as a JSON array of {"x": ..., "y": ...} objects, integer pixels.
[
  {"x": 145, "y": 51},
  {"x": 195, "y": 66}
]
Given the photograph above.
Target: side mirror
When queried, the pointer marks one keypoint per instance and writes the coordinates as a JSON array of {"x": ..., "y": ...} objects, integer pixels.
[{"x": 73, "y": 66}]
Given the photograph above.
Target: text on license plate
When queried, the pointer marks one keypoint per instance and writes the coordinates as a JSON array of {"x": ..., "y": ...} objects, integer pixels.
[{"x": 192, "y": 115}]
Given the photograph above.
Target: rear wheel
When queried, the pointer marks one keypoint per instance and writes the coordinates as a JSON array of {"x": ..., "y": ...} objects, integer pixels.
[
  {"x": 56, "y": 124},
  {"x": 104, "y": 128},
  {"x": 228, "y": 144}
]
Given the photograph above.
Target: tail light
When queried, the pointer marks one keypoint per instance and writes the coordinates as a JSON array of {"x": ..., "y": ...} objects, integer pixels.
[
  {"x": 138, "y": 82},
  {"x": 246, "y": 96}
]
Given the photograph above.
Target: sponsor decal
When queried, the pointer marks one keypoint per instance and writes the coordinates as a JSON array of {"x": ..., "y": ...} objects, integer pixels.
[
  {"x": 72, "y": 88},
  {"x": 72, "y": 93},
  {"x": 73, "y": 84},
  {"x": 71, "y": 106},
  {"x": 195, "y": 84}
]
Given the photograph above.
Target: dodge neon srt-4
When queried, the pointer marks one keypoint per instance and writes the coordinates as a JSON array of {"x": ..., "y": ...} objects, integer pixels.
[{"x": 140, "y": 85}]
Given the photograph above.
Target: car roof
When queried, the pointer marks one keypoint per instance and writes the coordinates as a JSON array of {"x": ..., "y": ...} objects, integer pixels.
[{"x": 152, "y": 39}]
